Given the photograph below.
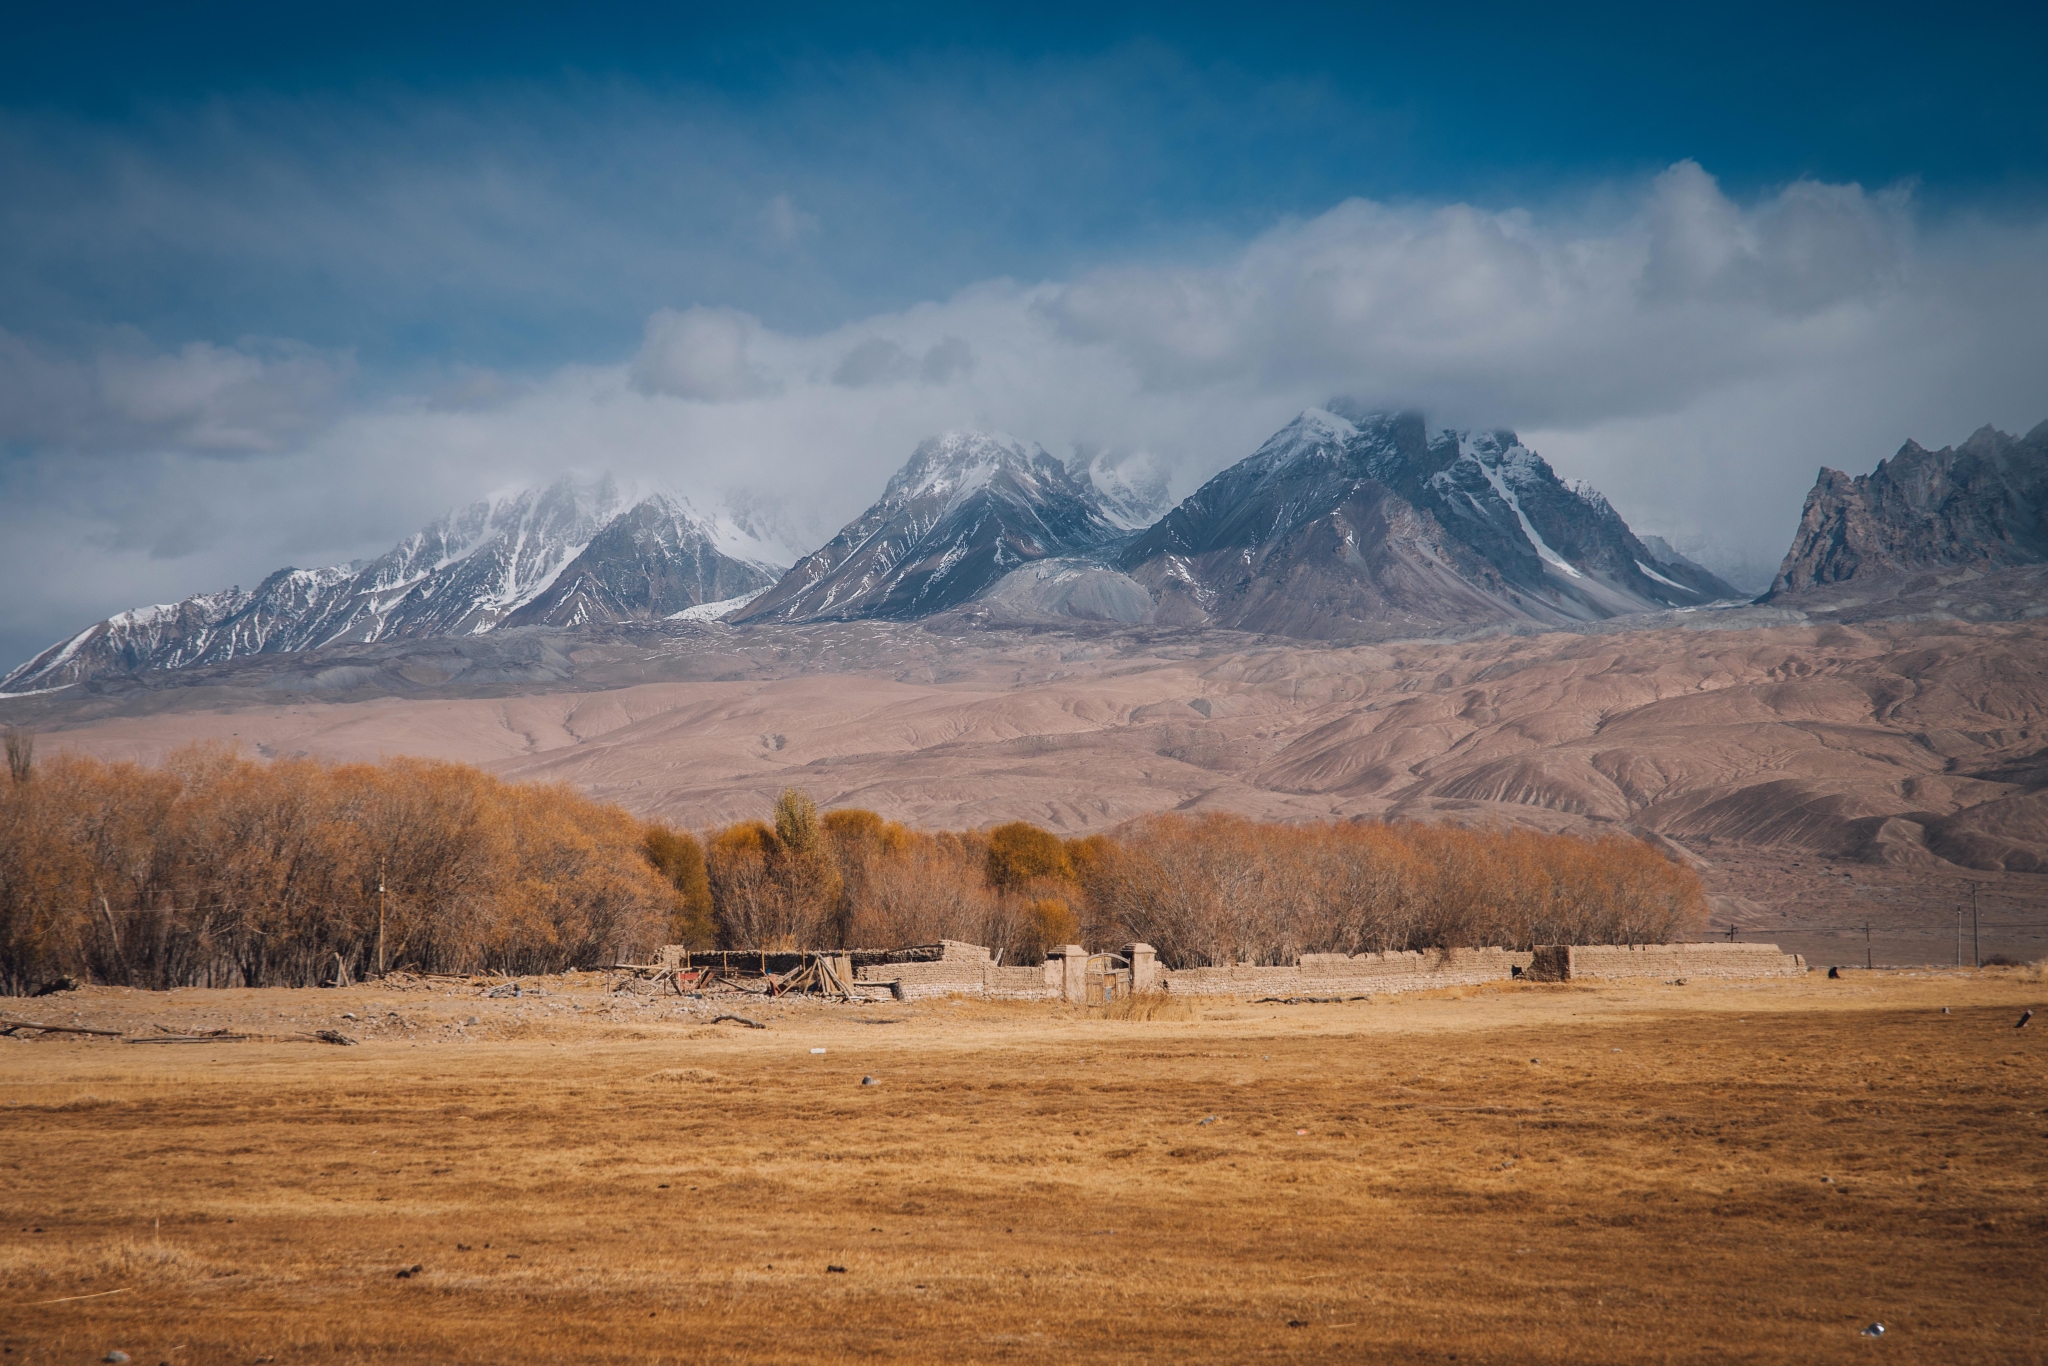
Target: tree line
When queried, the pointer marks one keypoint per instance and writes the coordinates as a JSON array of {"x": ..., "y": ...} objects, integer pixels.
[
  {"x": 215, "y": 869},
  {"x": 1203, "y": 890},
  {"x": 218, "y": 870}
]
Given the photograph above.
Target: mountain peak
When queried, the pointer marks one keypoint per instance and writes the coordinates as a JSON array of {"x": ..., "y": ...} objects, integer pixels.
[
  {"x": 1352, "y": 520},
  {"x": 954, "y": 465},
  {"x": 966, "y": 508}
]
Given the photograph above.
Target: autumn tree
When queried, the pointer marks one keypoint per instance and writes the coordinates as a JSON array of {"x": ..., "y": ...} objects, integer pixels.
[
  {"x": 220, "y": 870},
  {"x": 1020, "y": 851},
  {"x": 679, "y": 859},
  {"x": 1048, "y": 923}
]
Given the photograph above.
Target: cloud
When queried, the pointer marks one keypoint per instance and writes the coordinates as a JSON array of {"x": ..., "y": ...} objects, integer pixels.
[
  {"x": 1502, "y": 316},
  {"x": 878, "y": 360},
  {"x": 1809, "y": 247},
  {"x": 700, "y": 353},
  {"x": 949, "y": 359},
  {"x": 786, "y": 224},
  {"x": 257, "y": 396}
]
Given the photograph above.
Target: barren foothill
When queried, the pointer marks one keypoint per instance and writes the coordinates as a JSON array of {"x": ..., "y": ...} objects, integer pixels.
[{"x": 1719, "y": 1171}]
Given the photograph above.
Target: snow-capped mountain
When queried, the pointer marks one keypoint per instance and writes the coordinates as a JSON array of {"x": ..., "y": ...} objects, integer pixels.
[
  {"x": 1348, "y": 520},
  {"x": 659, "y": 558},
  {"x": 567, "y": 551},
  {"x": 966, "y": 509}
]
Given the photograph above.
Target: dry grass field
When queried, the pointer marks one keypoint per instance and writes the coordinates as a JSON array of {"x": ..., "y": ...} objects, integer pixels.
[{"x": 1714, "y": 1172}]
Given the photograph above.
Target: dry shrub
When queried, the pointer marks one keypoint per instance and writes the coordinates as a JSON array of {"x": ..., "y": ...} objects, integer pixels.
[
  {"x": 930, "y": 888},
  {"x": 217, "y": 870}
]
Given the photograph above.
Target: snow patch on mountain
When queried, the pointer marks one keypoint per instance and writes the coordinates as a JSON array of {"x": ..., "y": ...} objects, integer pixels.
[
  {"x": 717, "y": 611},
  {"x": 1503, "y": 473}
]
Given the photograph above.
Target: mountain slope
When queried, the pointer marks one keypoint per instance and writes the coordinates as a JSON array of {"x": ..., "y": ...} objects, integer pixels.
[
  {"x": 1348, "y": 522},
  {"x": 965, "y": 510},
  {"x": 1983, "y": 504},
  {"x": 467, "y": 573},
  {"x": 656, "y": 559}
]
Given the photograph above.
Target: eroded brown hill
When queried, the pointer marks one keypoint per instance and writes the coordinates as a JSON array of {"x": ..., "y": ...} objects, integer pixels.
[{"x": 1900, "y": 743}]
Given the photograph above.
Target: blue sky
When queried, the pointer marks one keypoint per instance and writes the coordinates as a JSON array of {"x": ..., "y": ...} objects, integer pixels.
[{"x": 275, "y": 285}]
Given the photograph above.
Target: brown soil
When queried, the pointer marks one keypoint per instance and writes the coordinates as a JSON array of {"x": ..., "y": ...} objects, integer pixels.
[{"x": 1716, "y": 1172}]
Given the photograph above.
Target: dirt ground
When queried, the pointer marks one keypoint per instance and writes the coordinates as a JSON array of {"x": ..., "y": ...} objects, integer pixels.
[{"x": 1747, "y": 1172}]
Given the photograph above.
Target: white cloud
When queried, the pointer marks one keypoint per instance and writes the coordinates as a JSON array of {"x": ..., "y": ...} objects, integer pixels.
[{"x": 700, "y": 353}]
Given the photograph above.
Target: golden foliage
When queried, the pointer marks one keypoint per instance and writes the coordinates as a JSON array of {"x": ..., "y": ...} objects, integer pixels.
[
  {"x": 219, "y": 870},
  {"x": 1203, "y": 890},
  {"x": 680, "y": 859},
  {"x": 1020, "y": 851},
  {"x": 1222, "y": 889},
  {"x": 1049, "y": 923}
]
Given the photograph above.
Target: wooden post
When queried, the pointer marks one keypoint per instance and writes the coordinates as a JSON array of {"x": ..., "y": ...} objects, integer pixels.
[{"x": 380, "y": 915}]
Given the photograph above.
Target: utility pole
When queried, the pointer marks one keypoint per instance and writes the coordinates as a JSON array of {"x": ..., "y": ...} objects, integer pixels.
[
  {"x": 1976, "y": 943},
  {"x": 380, "y": 916},
  {"x": 1866, "y": 946},
  {"x": 1731, "y": 932},
  {"x": 1959, "y": 936}
]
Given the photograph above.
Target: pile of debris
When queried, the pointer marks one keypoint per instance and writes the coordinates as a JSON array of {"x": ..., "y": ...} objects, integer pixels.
[{"x": 830, "y": 974}]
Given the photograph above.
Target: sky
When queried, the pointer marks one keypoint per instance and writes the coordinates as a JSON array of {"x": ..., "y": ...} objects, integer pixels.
[{"x": 278, "y": 286}]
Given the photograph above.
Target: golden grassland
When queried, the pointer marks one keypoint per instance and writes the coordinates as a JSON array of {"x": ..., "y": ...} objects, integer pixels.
[{"x": 1631, "y": 1173}]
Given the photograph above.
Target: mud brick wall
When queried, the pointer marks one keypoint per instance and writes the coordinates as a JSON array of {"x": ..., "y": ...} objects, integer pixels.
[
  {"x": 964, "y": 970},
  {"x": 1337, "y": 974},
  {"x": 1594, "y": 962},
  {"x": 913, "y": 981},
  {"x": 1020, "y": 984}
]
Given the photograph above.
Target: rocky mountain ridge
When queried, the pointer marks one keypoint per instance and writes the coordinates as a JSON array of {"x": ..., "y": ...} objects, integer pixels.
[{"x": 1981, "y": 505}]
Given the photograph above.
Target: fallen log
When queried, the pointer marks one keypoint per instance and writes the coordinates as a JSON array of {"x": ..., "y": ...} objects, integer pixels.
[
  {"x": 334, "y": 1036},
  {"x": 191, "y": 1038},
  {"x": 8, "y": 1026}
]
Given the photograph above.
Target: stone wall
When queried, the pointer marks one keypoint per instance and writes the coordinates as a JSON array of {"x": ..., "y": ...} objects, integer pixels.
[{"x": 1668, "y": 962}]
